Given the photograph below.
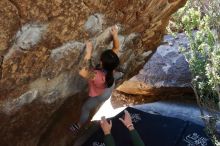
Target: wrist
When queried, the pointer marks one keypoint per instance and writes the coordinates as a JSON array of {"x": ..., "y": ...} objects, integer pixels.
[
  {"x": 115, "y": 35},
  {"x": 107, "y": 132},
  {"x": 130, "y": 127}
]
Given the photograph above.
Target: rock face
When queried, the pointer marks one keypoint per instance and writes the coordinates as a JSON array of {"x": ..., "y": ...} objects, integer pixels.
[
  {"x": 42, "y": 45},
  {"x": 165, "y": 74}
]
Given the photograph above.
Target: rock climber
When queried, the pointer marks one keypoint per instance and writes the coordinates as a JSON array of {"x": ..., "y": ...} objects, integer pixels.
[{"x": 101, "y": 80}]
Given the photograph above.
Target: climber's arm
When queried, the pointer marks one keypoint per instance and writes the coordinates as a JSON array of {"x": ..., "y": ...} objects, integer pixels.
[
  {"x": 86, "y": 66},
  {"x": 116, "y": 44}
]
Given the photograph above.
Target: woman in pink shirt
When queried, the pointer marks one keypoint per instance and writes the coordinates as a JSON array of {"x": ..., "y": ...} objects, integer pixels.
[{"x": 100, "y": 79}]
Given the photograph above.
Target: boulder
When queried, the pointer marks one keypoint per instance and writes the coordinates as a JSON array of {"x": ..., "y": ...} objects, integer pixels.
[
  {"x": 165, "y": 75},
  {"x": 42, "y": 46}
]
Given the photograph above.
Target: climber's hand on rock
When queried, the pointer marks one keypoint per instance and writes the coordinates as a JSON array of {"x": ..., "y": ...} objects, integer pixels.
[{"x": 114, "y": 30}]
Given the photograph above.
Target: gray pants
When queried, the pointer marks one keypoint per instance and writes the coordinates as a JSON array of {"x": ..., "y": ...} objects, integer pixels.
[{"x": 93, "y": 102}]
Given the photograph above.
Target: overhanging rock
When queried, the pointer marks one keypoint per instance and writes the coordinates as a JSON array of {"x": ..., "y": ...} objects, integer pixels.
[{"x": 42, "y": 47}]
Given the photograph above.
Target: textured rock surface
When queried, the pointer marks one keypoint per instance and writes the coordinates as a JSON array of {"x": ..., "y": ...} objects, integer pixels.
[
  {"x": 165, "y": 75},
  {"x": 42, "y": 44}
]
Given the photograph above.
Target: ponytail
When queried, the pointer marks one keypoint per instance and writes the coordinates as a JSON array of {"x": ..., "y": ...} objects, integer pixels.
[
  {"x": 109, "y": 78},
  {"x": 109, "y": 61}
]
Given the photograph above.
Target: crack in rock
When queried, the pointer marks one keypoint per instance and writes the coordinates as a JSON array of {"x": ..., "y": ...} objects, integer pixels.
[{"x": 1, "y": 62}]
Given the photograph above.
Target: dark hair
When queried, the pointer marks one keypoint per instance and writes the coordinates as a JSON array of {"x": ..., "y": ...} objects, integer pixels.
[{"x": 109, "y": 61}]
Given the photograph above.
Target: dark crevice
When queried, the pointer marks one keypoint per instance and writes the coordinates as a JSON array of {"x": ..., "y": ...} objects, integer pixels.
[
  {"x": 51, "y": 18},
  {"x": 63, "y": 115},
  {"x": 1, "y": 63},
  {"x": 86, "y": 4}
]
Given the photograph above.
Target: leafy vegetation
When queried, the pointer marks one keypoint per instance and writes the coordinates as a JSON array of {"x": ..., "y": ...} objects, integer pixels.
[{"x": 200, "y": 21}]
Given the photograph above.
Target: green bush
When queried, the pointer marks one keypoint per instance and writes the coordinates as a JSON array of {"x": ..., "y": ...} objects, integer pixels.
[
  {"x": 203, "y": 53},
  {"x": 200, "y": 22}
]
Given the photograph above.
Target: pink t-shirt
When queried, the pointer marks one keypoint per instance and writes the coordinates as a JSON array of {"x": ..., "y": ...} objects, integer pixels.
[{"x": 97, "y": 84}]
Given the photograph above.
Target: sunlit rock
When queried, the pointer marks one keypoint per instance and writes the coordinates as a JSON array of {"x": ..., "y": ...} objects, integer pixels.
[{"x": 42, "y": 46}]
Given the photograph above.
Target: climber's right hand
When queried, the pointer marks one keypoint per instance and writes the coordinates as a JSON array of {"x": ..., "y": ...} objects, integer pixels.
[{"x": 114, "y": 30}]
